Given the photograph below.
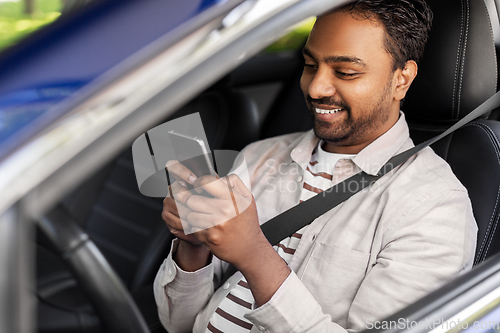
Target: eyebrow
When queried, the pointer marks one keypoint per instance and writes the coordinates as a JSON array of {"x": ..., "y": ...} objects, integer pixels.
[{"x": 336, "y": 59}]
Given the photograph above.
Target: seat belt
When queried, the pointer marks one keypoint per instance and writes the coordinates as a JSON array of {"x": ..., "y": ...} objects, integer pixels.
[{"x": 290, "y": 221}]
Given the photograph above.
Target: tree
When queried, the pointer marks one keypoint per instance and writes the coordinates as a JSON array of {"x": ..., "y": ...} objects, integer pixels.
[
  {"x": 29, "y": 6},
  {"x": 69, "y": 5}
]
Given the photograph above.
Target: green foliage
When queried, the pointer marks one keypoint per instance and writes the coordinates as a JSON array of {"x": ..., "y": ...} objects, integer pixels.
[
  {"x": 15, "y": 24},
  {"x": 293, "y": 40}
]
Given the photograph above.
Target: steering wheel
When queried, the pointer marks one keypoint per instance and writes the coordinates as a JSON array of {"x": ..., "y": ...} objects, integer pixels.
[{"x": 112, "y": 301}]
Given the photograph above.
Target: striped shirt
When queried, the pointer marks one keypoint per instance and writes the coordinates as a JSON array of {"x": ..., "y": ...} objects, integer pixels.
[{"x": 229, "y": 316}]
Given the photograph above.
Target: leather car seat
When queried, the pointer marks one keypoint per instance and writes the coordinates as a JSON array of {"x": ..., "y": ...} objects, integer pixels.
[
  {"x": 457, "y": 73},
  {"x": 127, "y": 226}
]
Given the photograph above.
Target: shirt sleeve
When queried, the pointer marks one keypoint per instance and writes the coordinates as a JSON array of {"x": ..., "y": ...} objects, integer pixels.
[
  {"x": 432, "y": 244},
  {"x": 181, "y": 295}
]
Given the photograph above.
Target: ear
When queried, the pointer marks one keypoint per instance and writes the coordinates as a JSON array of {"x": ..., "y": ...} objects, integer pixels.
[{"x": 404, "y": 78}]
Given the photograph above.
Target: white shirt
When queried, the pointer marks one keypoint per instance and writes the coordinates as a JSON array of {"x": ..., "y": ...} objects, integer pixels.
[{"x": 372, "y": 255}]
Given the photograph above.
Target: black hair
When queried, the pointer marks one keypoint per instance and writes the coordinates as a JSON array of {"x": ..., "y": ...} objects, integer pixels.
[{"x": 407, "y": 24}]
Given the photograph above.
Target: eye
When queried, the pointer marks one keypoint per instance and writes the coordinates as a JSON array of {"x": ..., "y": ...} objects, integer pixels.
[
  {"x": 311, "y": 67},
  {"x": 347, "y": 76}
]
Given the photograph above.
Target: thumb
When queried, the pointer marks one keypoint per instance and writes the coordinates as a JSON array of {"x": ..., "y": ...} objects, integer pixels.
[
  {"x": 236, "y": 185},
  {"x": 240, "y": 194}
]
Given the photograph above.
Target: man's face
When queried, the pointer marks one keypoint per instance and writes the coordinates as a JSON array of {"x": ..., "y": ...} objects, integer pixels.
[{"x": 348, "y": 82}]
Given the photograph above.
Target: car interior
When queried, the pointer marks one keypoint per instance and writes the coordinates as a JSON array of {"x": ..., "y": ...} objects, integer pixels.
[{"x": 261, "y": 99}]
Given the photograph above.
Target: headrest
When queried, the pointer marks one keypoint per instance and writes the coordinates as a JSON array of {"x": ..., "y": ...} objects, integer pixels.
[{"x": 458, "y": 70}]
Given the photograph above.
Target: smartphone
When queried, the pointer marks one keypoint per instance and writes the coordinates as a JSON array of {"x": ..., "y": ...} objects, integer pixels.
[{"x": 193, "y": 153}]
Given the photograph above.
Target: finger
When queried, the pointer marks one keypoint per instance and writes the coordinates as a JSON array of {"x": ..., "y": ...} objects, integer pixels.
[
  {"x": 170, "y": 206},
  {"x": 241, "y": 196},
  {"x": 202, "y": 204},
  {"x": 169, "y": 193},
  {"x": 182, "y": 210},
  {"x": 174, "y": 214},
  {"x": 204, "y": 221},
  {"x": 207, "y": 237},
  {"x": 196, "y": 230},
  {"x": 183, "y": 213},
  {"x": 180, "y": 193},
  {"x": 228, "y": 188},
  {"x": 174, "y": 225},
  {"x": 178, "y": 231},
  {"x": 180, "y": 172},
  {"x": 234, "y": 196},
  {"x": 172, "y": 219},
  {"x": 199, "y": 234},
  {"x": 221, "y": 209},
  {"x": 237, "y": 185},
  {"x": 217, "y": 187}
]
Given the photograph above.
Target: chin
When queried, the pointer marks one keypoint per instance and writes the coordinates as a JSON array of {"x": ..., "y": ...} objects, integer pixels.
[{"x": 327, "y": 134}]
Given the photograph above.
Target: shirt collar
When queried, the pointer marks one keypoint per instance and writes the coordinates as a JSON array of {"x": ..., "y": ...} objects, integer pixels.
[
  {"x": 372, "y": 158},
  {"x": 301, "y": 154}
]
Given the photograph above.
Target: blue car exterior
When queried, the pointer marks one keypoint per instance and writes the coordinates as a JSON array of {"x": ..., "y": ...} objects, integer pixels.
[{"x": 58, "y": 61}]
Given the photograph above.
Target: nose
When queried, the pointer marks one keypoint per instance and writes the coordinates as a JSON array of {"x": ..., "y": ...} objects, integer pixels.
[{"x": 321, "y": 85}]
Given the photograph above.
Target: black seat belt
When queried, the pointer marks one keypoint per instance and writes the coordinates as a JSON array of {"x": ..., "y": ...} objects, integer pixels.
[{"x": 290, "y": 221}]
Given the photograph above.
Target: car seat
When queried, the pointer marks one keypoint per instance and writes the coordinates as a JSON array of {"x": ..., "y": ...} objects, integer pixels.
[
  {"x": 127, "y": 226},
  {"x": 457, "y": 73}
]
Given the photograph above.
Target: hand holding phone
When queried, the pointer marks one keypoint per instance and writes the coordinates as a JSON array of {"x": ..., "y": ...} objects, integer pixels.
[
  {"x": 173, "y": 211},
  {"x": 195, "y": 166}
]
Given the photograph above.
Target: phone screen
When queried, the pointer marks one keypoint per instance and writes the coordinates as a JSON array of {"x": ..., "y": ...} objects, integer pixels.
[{"x": 192, "y": 152}]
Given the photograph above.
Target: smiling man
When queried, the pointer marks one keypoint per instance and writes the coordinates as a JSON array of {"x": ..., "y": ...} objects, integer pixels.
[
  {"x": 352, "y": 85},
  {"x": 370, "y": 256}
]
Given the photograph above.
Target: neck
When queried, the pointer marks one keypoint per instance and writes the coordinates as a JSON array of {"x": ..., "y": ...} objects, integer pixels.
[
  {"x": 348, "y": 150},
  {"x": 355, "y": 148}
]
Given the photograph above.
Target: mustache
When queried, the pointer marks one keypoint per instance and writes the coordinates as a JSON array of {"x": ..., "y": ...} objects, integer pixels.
[{"x": 330, "y": 101}]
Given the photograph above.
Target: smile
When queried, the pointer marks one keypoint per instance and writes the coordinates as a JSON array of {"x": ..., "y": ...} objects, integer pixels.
[{"x": 322, "y": 111}]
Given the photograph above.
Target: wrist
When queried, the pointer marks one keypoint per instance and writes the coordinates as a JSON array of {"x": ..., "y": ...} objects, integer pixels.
[
  {"x": 190, "y": 257},
  {"x": 265, "y": 273},
  {"x": 263, "y": 258}
]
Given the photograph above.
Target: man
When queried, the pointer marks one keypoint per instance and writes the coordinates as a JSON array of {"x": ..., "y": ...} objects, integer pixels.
[{"x": 363, "y": 260}]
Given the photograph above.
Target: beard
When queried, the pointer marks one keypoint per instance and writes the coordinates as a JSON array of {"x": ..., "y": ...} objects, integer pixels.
[{"x": 350, "y": 131}]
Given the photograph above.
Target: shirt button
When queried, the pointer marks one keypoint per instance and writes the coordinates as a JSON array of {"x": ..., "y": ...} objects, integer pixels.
[
  {"x": 226, "y": 286},
  {"x": 299, "y": 178},
  {"x": 170, "y": 272},
  {"x": 261, "y": 328}
]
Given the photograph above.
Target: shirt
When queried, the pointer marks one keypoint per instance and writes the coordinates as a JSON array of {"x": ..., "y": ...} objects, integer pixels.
[
  {"x": 370, "y": 256},
  {"x": 230, "y": 314}
]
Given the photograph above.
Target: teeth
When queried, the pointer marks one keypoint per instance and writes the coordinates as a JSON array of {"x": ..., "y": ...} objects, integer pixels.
[{"x": 328, "y": 111}]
